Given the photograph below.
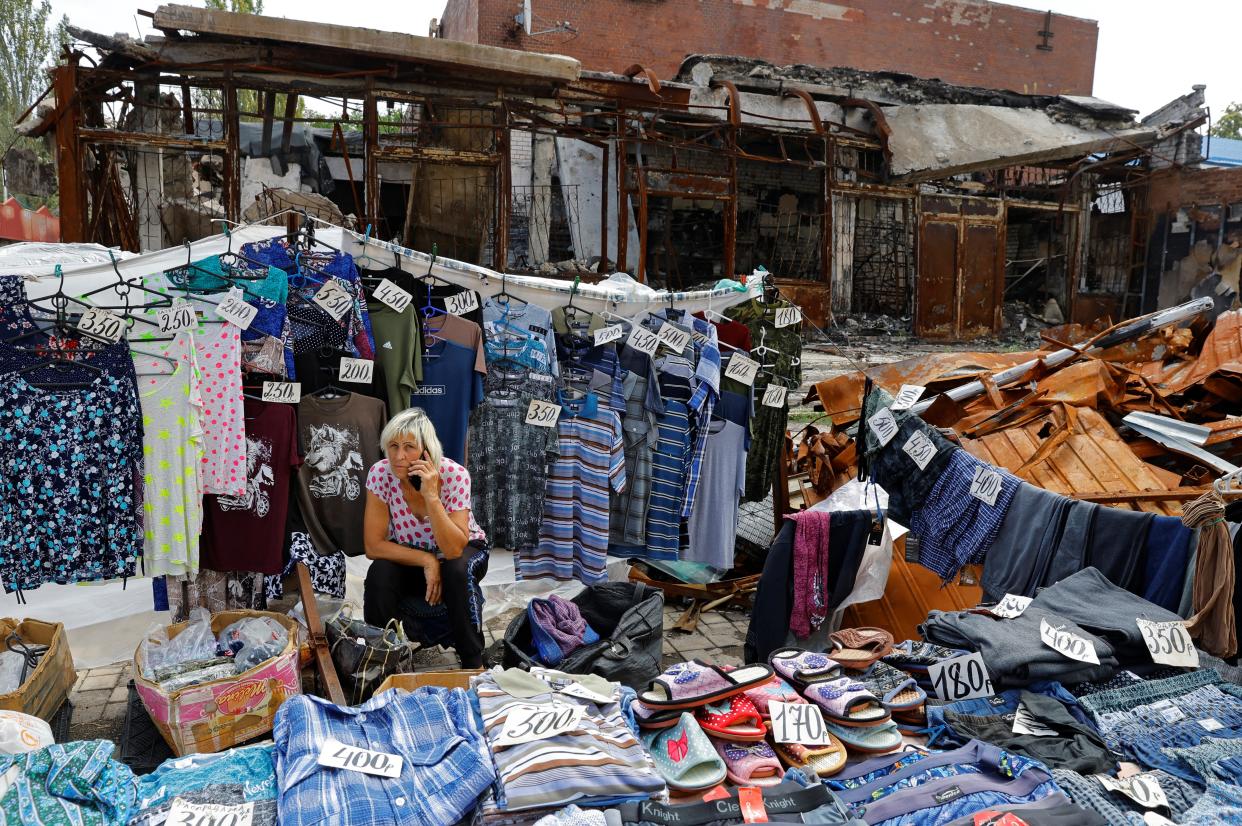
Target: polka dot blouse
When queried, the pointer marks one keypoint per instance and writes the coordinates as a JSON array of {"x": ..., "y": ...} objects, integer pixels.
[{"x": 404, "y": 527}]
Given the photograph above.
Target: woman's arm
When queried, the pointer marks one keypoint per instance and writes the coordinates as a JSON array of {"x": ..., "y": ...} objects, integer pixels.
[
  {"x": 451, "y": 530},
  {"x": 375, "y": 537}
]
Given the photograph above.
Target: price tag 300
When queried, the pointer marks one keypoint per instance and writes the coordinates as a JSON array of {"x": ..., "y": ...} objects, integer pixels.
[
  {"x": 542, "y": 414},
  {"x": 801, "y": 723},
  {"x": 334, "y": 300},
  {"x": 180, "y": 316},
  {"x": 358, "y": 371},
  {"x": 774, "y": 396},
  {"x": 920, "y": 449},
  {"x": 527, "y": 723},
  {"x": 462, "y": 303},
  {"x": 742, "y": 369},
  {"x": 100, "y": 323},
  {"x": 961, "y": 678},
  {"x": 609, "y": 334},
  {"x": 986, "y": 485},
  {"x": 883, "y": 425},
  {"x": 340, "y": 756},
  {"x": 643, "y": 340},
  {"x": 236, "y": 311},
  {"x": 184, "y": 813},
  {"x": 285, "y": 392},
  {"x": 1068, "y": 643},
  {"x": 1169, "y": 643},
  {"x": 393, "y": 296}
]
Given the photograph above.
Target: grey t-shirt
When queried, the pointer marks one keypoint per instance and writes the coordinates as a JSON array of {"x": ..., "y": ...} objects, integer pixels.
[{"x": 713, "y": 517}]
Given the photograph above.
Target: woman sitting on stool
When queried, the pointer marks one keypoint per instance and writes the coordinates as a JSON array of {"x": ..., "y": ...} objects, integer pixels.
[{"x": 425, "y": 545}]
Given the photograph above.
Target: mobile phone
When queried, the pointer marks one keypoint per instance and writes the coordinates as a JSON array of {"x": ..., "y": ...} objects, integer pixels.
[{"x": 417, "y": 482}]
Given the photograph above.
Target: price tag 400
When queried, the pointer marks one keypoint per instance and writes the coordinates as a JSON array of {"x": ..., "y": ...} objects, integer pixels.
[
  {"x": 333, "y": 299},
  {"x": 340, "y": 756},
  {"x": 1169, "y": 643},
  {"x": 527, "y": 723},
  {"x": 100, "y": 323},
  {"x": 542, "y": 414},
  {"x": 801, "y": 723},
  {"x": 961, "y": 678},
  {"x": 1068, "y": 643},
  {"x": 184, "y": 813},
  {"x": 358, "y": 371},
  {"x": 986, "y": 485}
]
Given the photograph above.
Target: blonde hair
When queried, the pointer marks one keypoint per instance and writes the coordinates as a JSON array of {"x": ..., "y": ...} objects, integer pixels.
[{"x": 413, "y": 422}]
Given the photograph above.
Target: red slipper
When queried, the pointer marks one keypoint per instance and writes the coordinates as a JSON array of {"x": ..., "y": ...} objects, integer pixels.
[{"x": 734, "y": 718}]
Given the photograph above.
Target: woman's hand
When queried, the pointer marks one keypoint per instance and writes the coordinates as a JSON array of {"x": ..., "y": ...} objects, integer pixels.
[
  {"x": 431, "y": 572},
  {"x": 430, "y": 488}
]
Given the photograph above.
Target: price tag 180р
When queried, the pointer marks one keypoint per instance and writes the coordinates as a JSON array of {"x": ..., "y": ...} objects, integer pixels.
[
  {"x": 285, "y": 392},
  {"x": 542, "y": 414},
  {"x": 340, "y": 756},
  {"x": 333, "y": 299},
  {"x": 393, "y": 296},
  {"x": 527, "y": 723},
  {"x": 100, "y": 323},
  {"x": 1068, "y": 643},
  {"x": 358, "y": 371},
  {"x": 1169, "y": 643},
  {"x": 184, "y": 813},
  {"x": 961, "y": 678},
  {"x": 801, "y": 723}
]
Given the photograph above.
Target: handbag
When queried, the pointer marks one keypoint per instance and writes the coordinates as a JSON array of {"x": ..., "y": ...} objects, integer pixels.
[
  {"x": 364, "y": 655},
  {"x": 629, "y": 618}
]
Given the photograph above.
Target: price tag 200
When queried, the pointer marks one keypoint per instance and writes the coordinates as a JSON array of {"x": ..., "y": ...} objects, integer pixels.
[
  {"x": 920, "y": 449},
  {"x": 528, "y": 723},
  {"x": 788, "y": 316},
  {"x": 285, "y": 392},
  {"x": 1068, "y": 643},
  {"x": 883, "y": 425},
  {"x": 1169, "y": 643},
  {"x": 908, "y": 395},
  {"x": 986, "y": 485},
  {"x": 742, "y": 369},
  {"x": 462, "y": 302},
  {"x": 180, "y": 316},
  {"x": 643, "y": 340},
  {"x": 673, "y": 338},
  {"x": 233, "y": 309},
  {"x": 1011, "y": 606},
  {"x": 340, "y": 756},
  {"x": 801, "y": 723},
  {"x": 184, "y": 813},
  {"x": 774, "y": 396},
  {"x": 393, "y": 296},
  {"x": 542, "y": 414},
  {"x": 961, "y": 678},
  {"x": 609, "y": 334},
  {"x": 334, "y": 300},
  {"x": 100, "y": 323},
  {"x": 1143, "y": 789},
  {"x": 358, "y": 371}
]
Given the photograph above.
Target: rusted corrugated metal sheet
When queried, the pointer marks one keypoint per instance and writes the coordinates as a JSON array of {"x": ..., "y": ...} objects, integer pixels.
[
  {"x": 1221, "y": 354},
  {"x": 20, "y": 224}
]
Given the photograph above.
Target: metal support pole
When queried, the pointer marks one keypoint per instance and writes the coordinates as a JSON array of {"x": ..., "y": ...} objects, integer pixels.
[
  {"x": 68, "y": 157},
  {"x": 232, "y": 152},
  {"x": 370, "y": 126}
]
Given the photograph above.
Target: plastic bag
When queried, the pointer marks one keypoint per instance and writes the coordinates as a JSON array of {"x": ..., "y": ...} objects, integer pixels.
[
  {"x": 11, "y": 666},
  {"x": 253, "y": 640},
  {"x": 21, "y": 733},
  {"x": 195, "y": 642}
]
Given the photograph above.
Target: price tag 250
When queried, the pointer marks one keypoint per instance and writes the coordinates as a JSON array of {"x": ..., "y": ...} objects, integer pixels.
[
  {"x": 920, "y": 449},
  {"x": 742, "y": 369},
  {"x": 609, "y": 334},
  {"x": 643, "y": 340},
  {"x": 334, "y": 300},
  {"x": 392, "y": 296},
  {"x": 673, "y": 338},
  {"x": 462, "y": 302},
  {"x": 358, "y": 371},
  {"x": 100, "y": 323},
  {"x": 774, "y": 396},
  {"x": 788, "y": 316},
  {"x": 285, "y": 392},
  {"x": 528, "y": 723},
  {"x": 961, "y": 678},
  {"x": 986, "y": 485},
  {"x": 236, "y": 311},
  {"x": 340, "y": 756},
  {"x": 180, "y": 316},
  {"x": 542, "y": 414},
  {"x": 801, "y": 723},
  {"x": 1068, "y": 643},
  {"x": 883, "y": 425},
  {"x": 1169, "y": 643},
  {"x": 184, "y": 813}
]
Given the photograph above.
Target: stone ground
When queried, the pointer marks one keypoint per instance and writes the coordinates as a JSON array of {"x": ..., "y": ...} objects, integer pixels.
[{"x": 100, "y": 695}]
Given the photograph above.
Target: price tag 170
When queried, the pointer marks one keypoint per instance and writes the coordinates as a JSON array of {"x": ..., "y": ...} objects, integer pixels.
[
  {"x": 542, "y": 414},
  {"x": 1068, "y": 643},
  {"x": 285, "y": 392},
  {"x": 184, "y": 813},
  {"x": 909, "y": 394},
  {"x": 673, "y": 338},
  {"x": 801, "y": 723},
  {"x": 392, "y": 296},
  {"x": 358, "y": 371},
  {"x": 1011, "y": 606},
  {"x": 333, "y": 299},
  {"x": 883, "y": 425},
  {"x": 233, "y": 309},
  {"x": 788, "y": 316},
  {"x": 1143, "y": 789},
  {"x": 643, "y": 340},
  {"x": 462, "y": 302},
  {"x": 337, "y": 755},
  {"x": 774, "y": 396},
  {"x": 742, "y": 369},
  {"x": 528, "y": 723},
  {"x": 609, "y": 334},
  {"x": 986, "y": 485},
  {"x": 920, "y": 449},
  {"x": 100, "y": 323},
  {"x": 961, "y": 678},
  {"x": 1169, "y": 643},
  {"x": 180, "y": 316}
]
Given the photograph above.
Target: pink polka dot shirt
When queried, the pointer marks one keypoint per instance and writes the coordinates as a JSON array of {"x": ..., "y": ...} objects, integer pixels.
[{"x": 404, "y": 527}]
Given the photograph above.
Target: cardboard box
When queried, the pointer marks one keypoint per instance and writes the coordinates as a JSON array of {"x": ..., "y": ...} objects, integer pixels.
[
  {"x": 444, "y": 679},
  {"x": 53, "y": 678},
  {"x": 215, "y": 716}
]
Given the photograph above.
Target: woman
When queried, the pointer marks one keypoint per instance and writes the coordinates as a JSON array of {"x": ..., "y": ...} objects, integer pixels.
[{"x": 425, "y": 545}]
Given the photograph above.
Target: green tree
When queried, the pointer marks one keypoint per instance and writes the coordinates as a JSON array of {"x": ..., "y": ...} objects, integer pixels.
[
  {"x": 1228, "y": 125},
  {"x": 26, "y": 43}
]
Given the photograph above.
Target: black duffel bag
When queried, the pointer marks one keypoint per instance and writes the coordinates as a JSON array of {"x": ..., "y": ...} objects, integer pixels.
[{"x": 629, "y": 618}]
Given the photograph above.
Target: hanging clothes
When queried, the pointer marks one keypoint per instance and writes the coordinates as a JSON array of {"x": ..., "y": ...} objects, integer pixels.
[
  {"x": 712, "y": 525},
  {"x": 452, "y": 386},
  {"x": 535, "y": 320},
  {"x": 670, "y": 460}
]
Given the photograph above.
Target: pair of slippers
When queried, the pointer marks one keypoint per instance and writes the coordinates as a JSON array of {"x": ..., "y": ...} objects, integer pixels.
[
  {"x": 690, "y": 761},
  {"x": 716, "y": 694}
]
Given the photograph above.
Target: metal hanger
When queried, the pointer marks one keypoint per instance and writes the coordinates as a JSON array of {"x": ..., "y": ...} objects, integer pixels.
[
  {"x": 59, "y": 361},
  {"x": 505, "y": 297},
  {"x": 331, "y": 389}
]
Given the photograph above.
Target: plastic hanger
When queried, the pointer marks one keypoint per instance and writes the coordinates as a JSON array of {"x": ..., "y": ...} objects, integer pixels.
[{"x": 59, "y": 361}]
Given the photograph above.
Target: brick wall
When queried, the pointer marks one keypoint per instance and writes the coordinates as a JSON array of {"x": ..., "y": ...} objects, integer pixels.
[
  {"x": 460, "y": 21},
  {"x": 1175, "y": 189},
  {"x": 967, "y": 42}
]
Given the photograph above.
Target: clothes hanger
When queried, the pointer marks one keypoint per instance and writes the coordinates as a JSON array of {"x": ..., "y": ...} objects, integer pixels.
[
  {"x": 59, "y": 361},
  {"x": 60, "y": 302},
  {"x": 1230, "y": 484},
  {"x": 233, "y": 260},
  {"x": 763, "y": 349},
  {"x": 366, "y": 255},
  {"x": 571, "y": 311},
  {"x": 331, "y": 390},
  {"x": 504, "y": 297}
]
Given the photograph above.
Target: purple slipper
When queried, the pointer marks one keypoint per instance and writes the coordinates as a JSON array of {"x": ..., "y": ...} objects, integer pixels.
[
  {"x": 696, "y": 683},
  {"x": 848, "y": 703},
  {"x": 802, "y": 668}
]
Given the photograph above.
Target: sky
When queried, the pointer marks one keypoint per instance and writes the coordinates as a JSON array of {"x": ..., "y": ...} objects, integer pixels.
[{"x": 1148, "y": 52}]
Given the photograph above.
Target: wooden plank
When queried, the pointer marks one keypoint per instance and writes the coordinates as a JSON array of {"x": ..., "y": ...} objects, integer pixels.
[
  {"x": 1174, "y": 495},
  {"x": 329, "y": 683},
  {"x": 371, "y": 42}
]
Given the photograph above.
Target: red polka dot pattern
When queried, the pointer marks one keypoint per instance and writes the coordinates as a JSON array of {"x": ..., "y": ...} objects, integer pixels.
[{"x": 403, "y": 526}]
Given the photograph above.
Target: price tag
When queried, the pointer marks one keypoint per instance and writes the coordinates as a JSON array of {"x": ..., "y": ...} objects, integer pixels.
[
  {"x": 334, "y": 300},
  {"x": 1067, "y": 643},
  {"x": 883, "y": 425},
  {"x": 337, "y": 755},
  {"x": 235, "y": 310},
  {"x": 1025, "y": 723},
  {"x": 542, "y": 414},
  {"x": 1143, "y": 789},
  {"x": 583, "y": 693},
  {"x": 788, "y": 316},
  {"x": 1211, "y": 724},
  {"x": 1169, "y": 643},
  {"x": 774, "y": 396},
  {"x": 285, "y": 392},
  {"x": 643, "y": 340},
  {"x": 180, "y": 316},
  {"x": 673, "y": 338},
  {"x": 920, "y": 449},
  {"x": 462, "y": 302},
  {"x": 393, "y": 296},
  {"x": 798, "y": 723},
  {"x": 909, "y": 394},
  {"x": 356, "y": 370},
  {"x": 1170, "y": 712},
  {"x": 1156, "y": 819},
  {"x": 528, "y": 723},
  {"x": 606, "y": 335},
  {"x": 184, "y": 813},
  {"x": 961, "y": 678},
  {"x": 100, "y": 323},
  {"x": 742, "y": 369},
  {"x": 986, "y": 485},
  {"x": 1011, "y": 606}
]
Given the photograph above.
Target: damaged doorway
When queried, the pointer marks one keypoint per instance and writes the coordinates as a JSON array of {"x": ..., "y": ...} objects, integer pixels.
[
  {"x": 961, "y": 267},
  {"x": 873, "y": 269},
  {"x": 1037, "y": 244}
]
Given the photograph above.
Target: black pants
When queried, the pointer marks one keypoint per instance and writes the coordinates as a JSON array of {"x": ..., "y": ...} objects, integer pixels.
[{"x": 396, "y": 591}]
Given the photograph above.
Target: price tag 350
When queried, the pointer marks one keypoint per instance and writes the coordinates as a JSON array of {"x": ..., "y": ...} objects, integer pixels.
[
  {"x": 1169, "y": 643},
  {"x": 333, "y": 299},
  {"x": 542, "y": 414},
  {"x": 340, "y": 756},
  {"x": 100, "y": 323},
  {"x": 1011, "y": 606}
]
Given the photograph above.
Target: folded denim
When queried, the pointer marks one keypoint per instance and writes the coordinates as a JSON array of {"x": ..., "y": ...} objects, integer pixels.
[{"x": 1005, "y": 702}]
